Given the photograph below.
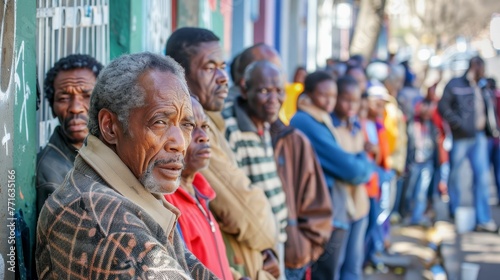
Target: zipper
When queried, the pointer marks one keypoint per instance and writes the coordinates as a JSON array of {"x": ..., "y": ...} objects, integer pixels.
[
  {"x": 212, "y": 228},
  {"x": 263, "y": 138}
]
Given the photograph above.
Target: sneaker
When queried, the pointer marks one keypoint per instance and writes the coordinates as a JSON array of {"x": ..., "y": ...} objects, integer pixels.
[
  {"x": 490, "y": 226},
  {"x": 395, "y": 218},
  {"x": 381, "y": 268}
]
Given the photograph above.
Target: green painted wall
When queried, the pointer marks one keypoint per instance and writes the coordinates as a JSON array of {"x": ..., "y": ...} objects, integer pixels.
[
  {"x": 218, "y": 23},
  {"x": 18, "y": 135},
  {"x": 126, "y": 22},
  {"x": 25, "y": 138},
  {"x": 188, "y": 13},
  {"x": 192, "y": 13}
]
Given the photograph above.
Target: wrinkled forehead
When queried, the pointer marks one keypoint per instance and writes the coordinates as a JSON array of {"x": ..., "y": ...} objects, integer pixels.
[
  {"x": 266, "y": 73},
  {"x": 166, "y": 86},
  {"x": 198, "y": 112},
  {"x": 208, "y": 52},
  {"x": 76, "y": 75}
]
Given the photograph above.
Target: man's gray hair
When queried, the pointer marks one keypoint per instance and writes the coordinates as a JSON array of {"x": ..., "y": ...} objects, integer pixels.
[
  {"x": 117, "y": 87},
  {"x": 250, "y": 69}
]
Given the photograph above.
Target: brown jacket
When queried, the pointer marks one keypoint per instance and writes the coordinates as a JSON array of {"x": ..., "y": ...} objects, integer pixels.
[
  {"x": 358, "y": 203},
  {"x": 102, "y": 223},
  {"x": 308, "y": 200},
  {"x": 244, "y": 215}
]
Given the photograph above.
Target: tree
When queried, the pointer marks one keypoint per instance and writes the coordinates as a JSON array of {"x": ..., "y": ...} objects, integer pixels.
[
  {"x": 443, "y": 20},
  {"x": 368, "y": 25}
]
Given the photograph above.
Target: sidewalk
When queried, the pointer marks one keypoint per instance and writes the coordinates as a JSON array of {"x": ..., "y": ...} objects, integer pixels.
[
  {"x": 415, "y": 244},
  {"x": 473, "y": 247},
  {"x": 452, "y": 249},
  {"x": 412, "y": 243}
]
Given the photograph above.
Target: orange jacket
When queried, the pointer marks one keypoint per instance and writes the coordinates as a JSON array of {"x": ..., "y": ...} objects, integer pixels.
[{"x": 373, "y": 186}]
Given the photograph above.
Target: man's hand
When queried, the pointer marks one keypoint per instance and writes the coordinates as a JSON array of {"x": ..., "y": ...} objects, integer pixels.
[
  {"x": 271, "y": 264},
  {"x": 443, "y": 188},
  {"x": 371, "y": 148}
]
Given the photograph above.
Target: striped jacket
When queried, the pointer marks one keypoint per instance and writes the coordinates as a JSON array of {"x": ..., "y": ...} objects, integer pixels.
[{"x": 254, "y": 154}]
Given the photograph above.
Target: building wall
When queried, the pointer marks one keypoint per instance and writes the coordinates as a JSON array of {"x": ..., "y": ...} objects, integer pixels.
[
  {"x": 18, "y": 134},
  {"x": 215, "y": 15},
  {"x": 264, "y": 27},
  {"x": 243, "y": 17}
]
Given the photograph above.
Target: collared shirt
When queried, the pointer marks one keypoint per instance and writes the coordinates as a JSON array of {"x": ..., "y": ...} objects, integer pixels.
[{"x": 355, "y": 125}]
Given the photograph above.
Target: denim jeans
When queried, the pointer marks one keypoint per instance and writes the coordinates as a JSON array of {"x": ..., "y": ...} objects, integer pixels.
[
  {"x": 353, "y": 250},
  {"x": 374, "y": 239},
  {"x": 399, "y": 196},
  {"x": 419, "y": 182},
  {"x": 494, "y": 152},
  {"x": 326, "y": 267},
  {"x": 295, "y": 273},
  {"x": 476, "y": 151}
]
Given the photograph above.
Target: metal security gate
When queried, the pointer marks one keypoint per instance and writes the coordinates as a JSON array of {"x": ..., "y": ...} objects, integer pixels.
[
  {"x": 67, "y": 27},
  {"x": 158, "y": 27}
]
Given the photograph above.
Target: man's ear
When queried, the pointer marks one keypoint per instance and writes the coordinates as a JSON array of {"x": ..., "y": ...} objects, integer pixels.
[
  {"x": 243, "y": 89},
  {"x": 109, "y": 126}
]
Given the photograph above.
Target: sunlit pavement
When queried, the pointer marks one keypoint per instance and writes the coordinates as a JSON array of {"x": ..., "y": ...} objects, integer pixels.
[
  {"x": 454, "y": 249},
  {"x": 416, "y": 257},
  {"x": 474, "y": 247}
]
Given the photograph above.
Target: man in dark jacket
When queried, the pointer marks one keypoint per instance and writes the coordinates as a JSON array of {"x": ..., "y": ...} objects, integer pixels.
[
  {"x": 68, "y": 86},
  {"x": 466, "y": 106}
]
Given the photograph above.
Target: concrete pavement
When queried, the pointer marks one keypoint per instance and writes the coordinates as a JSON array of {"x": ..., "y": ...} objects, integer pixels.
[
  {"x": 453, "y": 249},
  {"x": 412, "y": 244},
  {"x": 473, "y": 247}
]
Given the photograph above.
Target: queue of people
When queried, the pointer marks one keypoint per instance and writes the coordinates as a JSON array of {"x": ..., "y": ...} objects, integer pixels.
[{"x": 159, "y": 170}]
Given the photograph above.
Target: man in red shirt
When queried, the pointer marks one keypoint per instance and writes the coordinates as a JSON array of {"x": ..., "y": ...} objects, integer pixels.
[{"x": 198, "y": 227}]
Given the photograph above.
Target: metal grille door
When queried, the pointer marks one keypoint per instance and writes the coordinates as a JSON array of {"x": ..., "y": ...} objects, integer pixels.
[
  {"x": 67, "y": 27},
  {"x": 158, "y": 25}
]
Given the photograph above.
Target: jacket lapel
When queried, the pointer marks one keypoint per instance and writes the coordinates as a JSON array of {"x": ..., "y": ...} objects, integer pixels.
[{"x": 119, "y": 177}]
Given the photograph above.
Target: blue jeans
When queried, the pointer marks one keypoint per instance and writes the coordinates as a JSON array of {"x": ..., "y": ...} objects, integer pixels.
[
  {"x": 352, "y": 251},
  {"x": 399, "y": 196},
  {"x": 295, "y": 273},
  {"x": 374, "y": 239},
  {"x": 326, "y": 267},
  {"x": 419, "y": 182},
  {"x": 476, "y": 151},
  {"x": 494, "y": 152}
]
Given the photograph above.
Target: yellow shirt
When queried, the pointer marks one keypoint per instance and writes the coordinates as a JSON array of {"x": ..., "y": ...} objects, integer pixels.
[{"x": 289, "y": 107}]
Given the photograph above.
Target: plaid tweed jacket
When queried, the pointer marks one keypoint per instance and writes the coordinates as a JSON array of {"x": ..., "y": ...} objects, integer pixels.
[{"x": 101, "y": 223}]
